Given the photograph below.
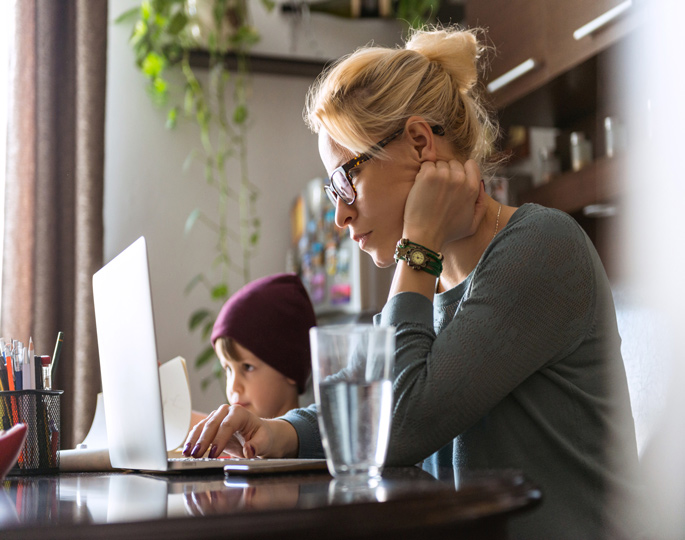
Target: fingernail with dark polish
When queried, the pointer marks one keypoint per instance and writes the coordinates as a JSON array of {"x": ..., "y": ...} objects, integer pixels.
[
  {"x": 252, "y": 451},
  {"x": 212, "y": 451},
  {"x": 196, "y": 451},
  {"x": 186, "y": 449}
]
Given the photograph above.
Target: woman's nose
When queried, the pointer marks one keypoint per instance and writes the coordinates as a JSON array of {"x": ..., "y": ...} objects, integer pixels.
[{"x": 343, "y": 213}]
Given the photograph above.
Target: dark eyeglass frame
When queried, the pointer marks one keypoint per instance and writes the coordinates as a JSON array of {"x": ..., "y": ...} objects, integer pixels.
[{"x": 332, "y": 189}]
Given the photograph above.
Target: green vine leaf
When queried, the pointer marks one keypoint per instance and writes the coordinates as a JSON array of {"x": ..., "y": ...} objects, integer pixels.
[
  {"x": 220, "y": 291},
  {"x": 192, "y": 218},
  {"x": 153, "y": 65},
  {"x": 145, "y": 10},
  {"x": 240, "y": 114},
  {"x": 198, "y": 278},
  {"x": 204, "y": 357},
  {"x": 178, "y": 23},
  {"x": 197, "y": 317},
  {"x": 207, "y": 330},
  {"x": 172, "y": 118},
  {"x": 192, "y": 155}
]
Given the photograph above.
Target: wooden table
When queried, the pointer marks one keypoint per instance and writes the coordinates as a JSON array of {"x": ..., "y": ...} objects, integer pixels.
[{"x": 407, "y": 502}]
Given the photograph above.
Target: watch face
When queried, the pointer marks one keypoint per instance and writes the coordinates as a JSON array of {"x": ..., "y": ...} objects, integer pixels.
[{"x": 417, "y": 257}]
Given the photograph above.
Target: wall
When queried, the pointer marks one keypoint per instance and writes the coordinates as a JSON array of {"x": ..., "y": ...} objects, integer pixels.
[{"x": 148, "y": 193}]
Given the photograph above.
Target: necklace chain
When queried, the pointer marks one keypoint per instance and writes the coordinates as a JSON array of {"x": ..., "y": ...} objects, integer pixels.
[
  {"x": 499, "y": 210},
  {"x": 497, "y": 223}
]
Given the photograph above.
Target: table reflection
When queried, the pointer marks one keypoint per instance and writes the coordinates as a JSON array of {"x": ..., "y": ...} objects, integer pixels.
[{"x": 91, "y": 498}]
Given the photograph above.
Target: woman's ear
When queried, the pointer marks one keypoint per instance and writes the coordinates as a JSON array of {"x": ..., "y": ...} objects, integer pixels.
[{"x": 420, "y": 136}]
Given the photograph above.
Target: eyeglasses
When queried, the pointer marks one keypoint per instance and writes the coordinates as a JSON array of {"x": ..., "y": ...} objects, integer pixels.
[{"x": 340, "y": 183}]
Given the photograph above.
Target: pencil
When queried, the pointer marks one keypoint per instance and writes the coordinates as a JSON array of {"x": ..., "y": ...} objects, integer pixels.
[
  {"x": 55, "y": 355},
  {"x": 5, "y": 422}
]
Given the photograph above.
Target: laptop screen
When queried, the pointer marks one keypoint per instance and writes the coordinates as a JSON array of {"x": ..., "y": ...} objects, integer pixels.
[{"x": 128, "y": 361}]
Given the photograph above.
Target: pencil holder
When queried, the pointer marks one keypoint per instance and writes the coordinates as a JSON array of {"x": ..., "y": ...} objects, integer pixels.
[{"x": 40, "y": 411}]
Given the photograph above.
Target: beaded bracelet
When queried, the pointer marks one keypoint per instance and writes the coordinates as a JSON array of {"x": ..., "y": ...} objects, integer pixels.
[{"x": 419, "y": 257}]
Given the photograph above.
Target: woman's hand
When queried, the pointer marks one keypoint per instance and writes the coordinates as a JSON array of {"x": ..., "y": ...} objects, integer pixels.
[
  {"x": 240, "y": 433},
  {"x": 206, "y": 503},
  {"x": 445, "y": 204}
]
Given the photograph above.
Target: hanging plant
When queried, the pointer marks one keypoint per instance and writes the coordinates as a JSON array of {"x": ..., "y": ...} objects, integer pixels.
[
  {"x": 416, "y": 13},
  {"x": 164, "y": 34}
]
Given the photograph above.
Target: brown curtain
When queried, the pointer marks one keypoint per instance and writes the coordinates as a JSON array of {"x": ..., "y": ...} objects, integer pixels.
[{"x": 54, "y": 192}]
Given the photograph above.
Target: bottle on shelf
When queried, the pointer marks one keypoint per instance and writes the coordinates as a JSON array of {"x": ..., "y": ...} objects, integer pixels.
[
  {"x": 549, "y": 164},
  {"x": 581, "y": 151},
  {"x": 351, "y": 9}
]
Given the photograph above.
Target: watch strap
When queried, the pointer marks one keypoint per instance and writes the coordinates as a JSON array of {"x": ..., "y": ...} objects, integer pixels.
[{"x": 419, "y": 257}]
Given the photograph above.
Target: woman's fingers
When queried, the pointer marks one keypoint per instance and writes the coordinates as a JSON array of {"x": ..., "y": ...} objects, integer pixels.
[
  {"x": 193, "y": 436},
  {"x": 473, "y": 178},
  {"x": 445, "y": 202},
  {"x": 228, "y": 429},
  {"x": 196, "y": 443}
]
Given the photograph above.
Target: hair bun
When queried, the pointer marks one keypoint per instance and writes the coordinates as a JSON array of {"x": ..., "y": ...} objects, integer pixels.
[{"x": 457, "y": 51}]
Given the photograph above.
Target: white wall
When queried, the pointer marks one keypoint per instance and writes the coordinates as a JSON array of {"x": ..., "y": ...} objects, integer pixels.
[{"x": 147, "y": 192}]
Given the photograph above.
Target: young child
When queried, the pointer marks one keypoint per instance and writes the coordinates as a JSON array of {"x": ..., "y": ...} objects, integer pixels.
[{"x": 261, "y": 337}]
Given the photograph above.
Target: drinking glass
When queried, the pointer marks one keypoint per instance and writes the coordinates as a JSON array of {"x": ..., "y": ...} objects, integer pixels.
[{"x": 352, "y": 371}]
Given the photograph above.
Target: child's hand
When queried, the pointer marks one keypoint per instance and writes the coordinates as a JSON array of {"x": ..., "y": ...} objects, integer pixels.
[
  {"x": 446, "y": 203},
  {"x": 240, "y": 433}
]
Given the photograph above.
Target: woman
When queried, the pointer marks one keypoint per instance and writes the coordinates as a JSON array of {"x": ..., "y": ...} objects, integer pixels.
[{"x": 507, "y": 348}]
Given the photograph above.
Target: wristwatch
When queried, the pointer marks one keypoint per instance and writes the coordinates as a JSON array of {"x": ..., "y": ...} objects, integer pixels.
[{"x": 419, "y": 257}]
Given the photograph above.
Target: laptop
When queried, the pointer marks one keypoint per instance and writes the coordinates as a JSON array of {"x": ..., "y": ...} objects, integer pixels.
[{"x": 130, "y": 375}]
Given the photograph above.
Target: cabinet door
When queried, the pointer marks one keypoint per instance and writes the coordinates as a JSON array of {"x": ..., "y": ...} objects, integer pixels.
[
  {"x": 579, "y": 29},
  {"x": 516, "y": 28}
]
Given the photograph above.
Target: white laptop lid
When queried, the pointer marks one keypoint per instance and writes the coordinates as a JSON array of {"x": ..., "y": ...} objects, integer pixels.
[{"x": 128, "y": 361}]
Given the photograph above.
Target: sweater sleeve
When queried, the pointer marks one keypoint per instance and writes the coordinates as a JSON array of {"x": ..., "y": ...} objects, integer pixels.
[
  {"x": 305, "y": 423},
  {"x": 530, "y": 302}
]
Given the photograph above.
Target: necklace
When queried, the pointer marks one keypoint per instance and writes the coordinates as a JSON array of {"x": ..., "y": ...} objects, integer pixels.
[
  {"x": 499, "y": 210},
  {"x": 497, "y": 223}
]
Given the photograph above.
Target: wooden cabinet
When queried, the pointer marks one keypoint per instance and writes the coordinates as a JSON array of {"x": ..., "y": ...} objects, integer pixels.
[
  {"x": 551, "y": 36},
  {"x": 580, "y": 29},
  {"x": 516, "y": 30}
]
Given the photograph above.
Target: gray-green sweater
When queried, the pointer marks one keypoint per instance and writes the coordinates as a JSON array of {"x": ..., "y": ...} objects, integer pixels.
[{"x": 519, "y": 366}]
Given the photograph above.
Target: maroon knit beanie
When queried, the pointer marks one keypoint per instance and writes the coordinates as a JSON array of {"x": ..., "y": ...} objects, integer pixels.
[{"x": 271, "y": 318}]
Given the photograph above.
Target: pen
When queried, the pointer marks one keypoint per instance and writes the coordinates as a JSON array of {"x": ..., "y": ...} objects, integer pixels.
[
  {"x": 26, "y": 370},
  {"x": 3, "y": 374},
  {"x": 38, "y": 370},
  {"x": 4, "y": 404},
  {"x": 10, "y": 380},
  {"x": 55, "y": 355},
  {"x": 18, "y": 365},
  {"x": 32, "y": 362},
  {"x": 47, "y": 372}
]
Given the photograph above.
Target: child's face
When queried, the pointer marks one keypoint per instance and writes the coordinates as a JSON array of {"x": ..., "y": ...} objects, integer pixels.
[{"x": 257, "y": 386}]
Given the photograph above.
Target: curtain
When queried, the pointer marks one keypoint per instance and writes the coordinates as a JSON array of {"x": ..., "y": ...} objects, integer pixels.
[{"x": 54, "y": 193}]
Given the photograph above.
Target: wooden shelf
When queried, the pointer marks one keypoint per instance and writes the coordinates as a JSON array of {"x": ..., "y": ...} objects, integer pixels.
[
  {"x": 271, "y": 65},
  {"x": 599, "y": 182}
]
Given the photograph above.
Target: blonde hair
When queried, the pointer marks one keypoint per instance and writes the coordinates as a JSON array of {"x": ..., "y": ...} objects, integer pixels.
[{"x": 370, "y": 93}]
